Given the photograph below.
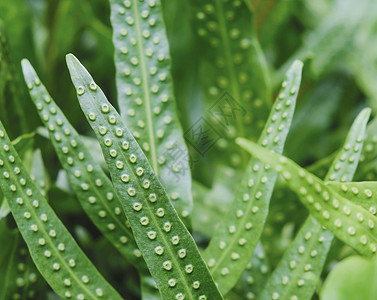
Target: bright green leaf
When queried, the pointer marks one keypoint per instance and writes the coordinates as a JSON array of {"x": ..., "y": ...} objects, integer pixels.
[
  {"x": 168, "y": 248},
  {"x": 93, "y": 188},
  {"x": 349, "y": 222},
  {"x": 354, "y": 278},
  {"x": 145, "y": 95},
  {"x": 54, "y": 251},
  {"x": 301, "y": 266},
  {"x": 238, "y": 233}
]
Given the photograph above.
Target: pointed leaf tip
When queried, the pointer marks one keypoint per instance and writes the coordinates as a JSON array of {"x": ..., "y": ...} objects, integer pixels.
[
  {"x": 25, "y": 63},
  {"x": 29, "y": 73},
  {"x": 73, "y": 64},
  {"x": 79, "y": 74},
  {"x": 70, "y": 57},
  {"x": 71, "y": 61},
  {"x": 297, "y": 64},
  {"x": 365, "y": 113}
]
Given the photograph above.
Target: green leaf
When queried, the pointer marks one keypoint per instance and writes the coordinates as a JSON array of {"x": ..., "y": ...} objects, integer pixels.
[
  {"x": 256, "y": 274},
  {"x": 9, "y": 241},
  {"x": 360, "y": 193},
  {"x": 270, "y": 17},
  {"x": 168, "y": 248},
  {"x": 39, "y": 174},
  {"x": 92, "y": 187},
  {"x": 210, "y": 205},
  {"x": 353, "y": 278},
  {"x": 19, "y": 266},
  {"x": 345, "y": 163},
  {"x": 299, "y": 271},
  {"x": 23, "y": 145},
  {"x": 297, "y": 274},
  {"x": 233, "y": 73},
  {"x": 11, "y": 91},
  {"x": 238, "y": 233},
  {"x": 19, "y": 278},
  {"x": 54, "y": 251},
  {"x": 349, "y": 222},
  {"x": 226, "y": 30},
  {"x": 145, "y": 95}
]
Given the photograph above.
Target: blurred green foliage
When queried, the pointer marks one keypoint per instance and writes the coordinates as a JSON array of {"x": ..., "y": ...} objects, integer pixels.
[{"x": 336, "y": 39}]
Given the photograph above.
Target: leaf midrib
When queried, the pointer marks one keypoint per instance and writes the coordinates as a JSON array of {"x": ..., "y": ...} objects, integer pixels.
[
  {"x": 305, "y": 256},
  {"x": 149, "y": 208},
  {"x": 41, "y": 227},
  {"x": 242, "y": 224},
  {"x": 152, "y": 139},
  {"x": 317, "y": 230},
  {"x": 99, "y": 195},
  {"x": 256, "y": 187},
  {"x": 80, "y": 147}
]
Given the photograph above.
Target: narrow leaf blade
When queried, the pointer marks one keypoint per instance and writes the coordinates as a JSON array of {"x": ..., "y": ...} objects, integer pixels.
[
  {"x": 347, "y": 221},
  {"x": 145, "y": 95},
  {"x": 231, "y": 247},
  {"x": 360, "y": 193},
  {"x": 168, "y": 248},
  {"x": 92, "y": 187},
  {"x": 54, "y": 251},
  {"x": 300, "y": 269}
]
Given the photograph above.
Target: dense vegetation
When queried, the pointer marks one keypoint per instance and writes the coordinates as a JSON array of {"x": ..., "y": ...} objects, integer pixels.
[{"x": 148, "y": 164}]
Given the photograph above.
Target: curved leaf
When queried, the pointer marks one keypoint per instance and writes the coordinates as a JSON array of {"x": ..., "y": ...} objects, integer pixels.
[
  {"x": 55, "y": 253},
  {"x": 353, "y": 278},
  {"x": 232, "y": 72},
  {"x": 92, "y": 187},
  {"x": 349, "y": 222},
  {"x": 145, "y": 95},
  {"x": 234, "y": 242},
  {"x": 299, "y": 271},
  {"x": 168, "y": 248},
  {"x": 360, "y": 193},
  {"x": 255, "y": 274}
]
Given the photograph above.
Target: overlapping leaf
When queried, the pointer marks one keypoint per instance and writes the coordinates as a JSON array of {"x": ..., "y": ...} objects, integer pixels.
[
  {"x": 145, "y": 95},
  {"x": 231, "y": 247},
  {"x": 168, "y": 248},
  {"x": 361, "y": 193},
  {"x": 93, "y": 188},
  {"x": 298, "y": 273},
  {"x": 232, "y": 73},
  {"x": 351, "y": 223},
  {"x": 19, "y": 278},
  {"x": 56, "y": 254},
  {"x": 10, "y": 91},
  {"x": 256, "y": 273}
]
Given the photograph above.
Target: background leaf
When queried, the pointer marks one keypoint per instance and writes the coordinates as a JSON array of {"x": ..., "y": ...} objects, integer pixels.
[
  {"x": 353, "y": 278},
  {"x": 145, "y": 95}
]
